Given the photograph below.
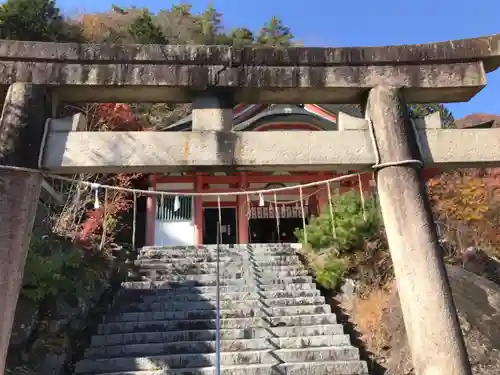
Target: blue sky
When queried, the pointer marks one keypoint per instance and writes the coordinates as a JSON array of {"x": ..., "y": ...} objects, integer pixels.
[{"x": 357, "y": 23}]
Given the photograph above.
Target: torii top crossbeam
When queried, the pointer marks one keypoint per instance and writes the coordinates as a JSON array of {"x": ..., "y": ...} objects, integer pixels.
[{"x": 441, "y": 72}]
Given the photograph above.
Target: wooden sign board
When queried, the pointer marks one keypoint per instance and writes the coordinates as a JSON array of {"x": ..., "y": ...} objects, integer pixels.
[{"x": 283, "y": 212}]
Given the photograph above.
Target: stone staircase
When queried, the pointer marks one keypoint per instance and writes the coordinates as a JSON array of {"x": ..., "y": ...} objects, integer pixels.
[{"x": 273, "y": 319}]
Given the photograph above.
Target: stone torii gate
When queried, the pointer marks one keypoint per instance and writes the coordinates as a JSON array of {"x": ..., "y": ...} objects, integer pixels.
[{"x": 36, "y": 76}]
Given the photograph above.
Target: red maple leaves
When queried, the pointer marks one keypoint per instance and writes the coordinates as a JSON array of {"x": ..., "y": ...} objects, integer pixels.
[{"x": 110, "y": 117}]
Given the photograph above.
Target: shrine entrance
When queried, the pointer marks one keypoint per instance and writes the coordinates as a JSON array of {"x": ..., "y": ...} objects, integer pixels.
[
  {"x": 229, "y": 226},
  {"x": 266, "y": 230}
]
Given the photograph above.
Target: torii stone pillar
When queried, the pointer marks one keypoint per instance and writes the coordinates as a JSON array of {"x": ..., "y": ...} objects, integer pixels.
[
  {"x": 430, "y": 317},
  {"x": 21, "y": 131}
]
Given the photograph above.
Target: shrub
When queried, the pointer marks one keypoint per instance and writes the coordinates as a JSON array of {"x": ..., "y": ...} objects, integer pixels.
[
  {"x": 55, "y": 267},
  {"x": 357, "y": 227},
  {"x": 353, "y": 224},
  {"x": 331, "y": 273}
]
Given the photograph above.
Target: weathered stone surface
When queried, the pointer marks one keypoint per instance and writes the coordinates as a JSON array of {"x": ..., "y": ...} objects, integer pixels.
[
  {"x": 165, "y": 285},
  {"x": 21, "y": 128},
  {"x": 478, "y": 304},
  {"x": 226, "y": 334},
  {"x": 113, "y": 152},
  {"x": 478, "y": 262},
  {"x": 148, "y": 303},
  {"x": 198, "y": 346},
  {"x": 155, "y": 295},
  {"x": 196, "y": 360},
  {"x": 483, "y": 48},
  {"x": 269, "y": 84}
]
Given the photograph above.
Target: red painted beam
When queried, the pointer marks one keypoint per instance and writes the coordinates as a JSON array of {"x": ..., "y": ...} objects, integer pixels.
[
  {"x": 287, "y": 126},
  {"x": 252, "y": 178},
  {"x": 257, "y": 177}
]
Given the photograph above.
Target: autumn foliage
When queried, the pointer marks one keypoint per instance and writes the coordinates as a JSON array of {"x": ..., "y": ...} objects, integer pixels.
[
  {"x": 110, "y": 117},
  {"x": 467, "y": 203},
  {"x": 114, "y": 117}
]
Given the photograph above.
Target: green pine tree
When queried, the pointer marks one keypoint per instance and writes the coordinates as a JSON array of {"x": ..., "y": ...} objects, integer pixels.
[
  {"x": 211, "y": 24},
  {"x": 35, "y": 20},
  {"x": 242, "y": 36},
  {"x": 421, "y": 110},
  {"x": 275, "y": 34},
  {"x": 144, "y": 30}
]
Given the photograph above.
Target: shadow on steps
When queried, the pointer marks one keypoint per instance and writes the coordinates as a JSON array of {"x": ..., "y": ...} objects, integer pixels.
[
  {"x": 349, "y": 328},
  {"x": 165, "y": 323}
]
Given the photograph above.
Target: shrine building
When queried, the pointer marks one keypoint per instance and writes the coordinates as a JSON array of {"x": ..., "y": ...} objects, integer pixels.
[{"x": 250, "y": 218}]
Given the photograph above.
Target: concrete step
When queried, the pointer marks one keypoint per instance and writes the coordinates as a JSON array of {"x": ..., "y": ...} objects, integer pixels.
[
  {"x": 166, "y": 256},
  {"x": 189, "y": 259},
  {"x": 222, "y": 250},
  {"x": 225, "y": 270},
  {"x": 210, "y": 335},
  {"x": 229, "y": 261},
  {"x": 226, "y": 277},
  {"x": 161, "y": 295},
  {"x": 267, "y": 261},
  {"x": 190, "y": 325},
  {"x": 193, "y": 360},
  {"x": 163, "y": 286},
  {"x": 209, "y": 267},
  {"x": 170, "y": 258},
  {"x": 140, "y": 350},
  {"x": 211, "y": 304},
  {"x": 299, "y": 368},
  {"x": 273, "y": 319},
  {"x": 242, "y": 255},
  {"x": 159, "y": 312},
  {"x": 183, "y": 281}
]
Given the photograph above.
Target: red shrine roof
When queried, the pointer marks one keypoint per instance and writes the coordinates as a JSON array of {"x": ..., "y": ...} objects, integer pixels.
[
  {"x": 479, "y": 120},
  {"x": 251, "y": 116}
]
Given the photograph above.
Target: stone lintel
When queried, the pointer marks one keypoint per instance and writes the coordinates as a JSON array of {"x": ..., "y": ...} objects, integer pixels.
[
  {"x": 249, "y": 84},
  {"x": 149, "y": 152},
  {"x": 486, "y": 48}
]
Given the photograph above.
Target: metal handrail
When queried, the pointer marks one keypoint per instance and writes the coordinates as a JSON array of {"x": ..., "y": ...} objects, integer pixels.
[{"x": 217, "y": 303}]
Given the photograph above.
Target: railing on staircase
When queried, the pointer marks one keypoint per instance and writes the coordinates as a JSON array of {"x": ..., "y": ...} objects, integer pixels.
[{"x": 217, "y": 301}]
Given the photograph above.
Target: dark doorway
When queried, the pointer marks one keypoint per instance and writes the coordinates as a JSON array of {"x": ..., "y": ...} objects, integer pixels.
[
  {"x": 229, "y": 226},
  {"x": 263, "y": 231},
  {"x": 266, "y": 230},
  {"x": 287, "y": 229}
]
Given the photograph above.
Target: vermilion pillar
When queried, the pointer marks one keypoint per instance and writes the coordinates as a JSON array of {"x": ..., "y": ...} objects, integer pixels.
[
  {"x": 322, "y": 198},
  {"x": 242, "y": 210},
  {"x": 322, "y": 195},
  {"x": 313, "y": 205},
  {"x": 151, "y": 214},
  {"x": 198, "y": 210}
]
